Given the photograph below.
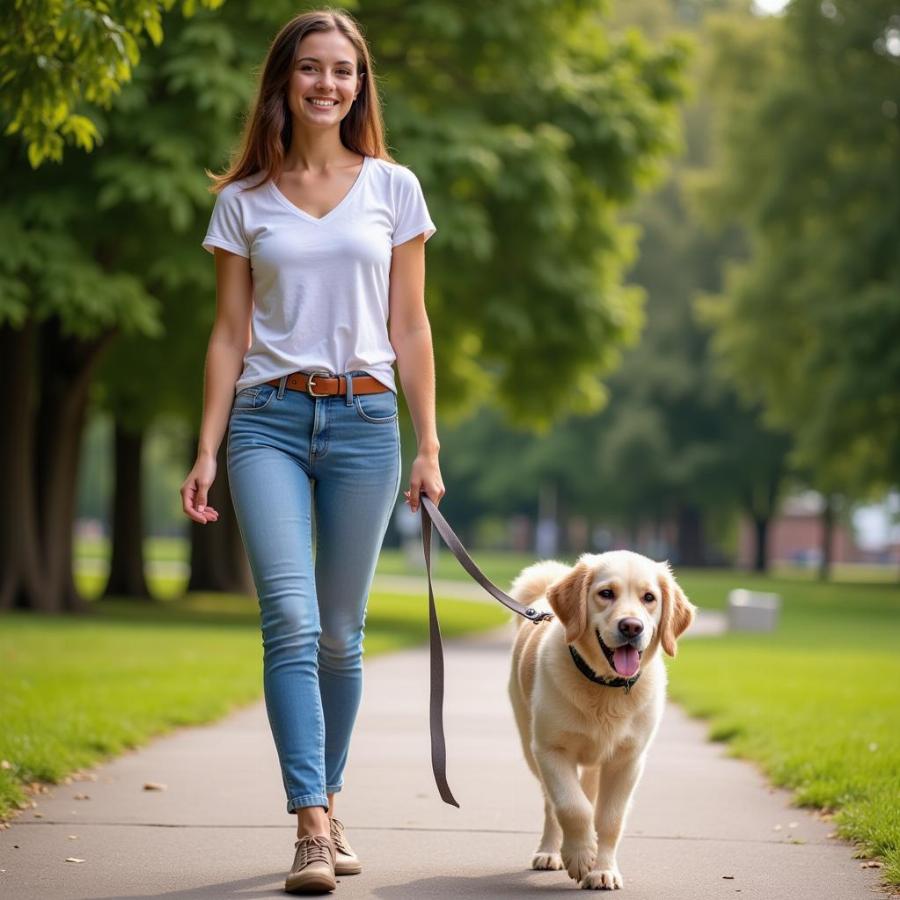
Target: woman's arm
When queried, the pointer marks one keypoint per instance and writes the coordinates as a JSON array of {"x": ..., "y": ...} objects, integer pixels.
[
  {"x": 410, "y": 336},
  {"x": 228, "y": 343}
]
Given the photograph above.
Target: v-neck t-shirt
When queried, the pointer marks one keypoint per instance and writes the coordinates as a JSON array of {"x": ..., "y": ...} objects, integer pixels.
[{"x": 320, "y": 285}]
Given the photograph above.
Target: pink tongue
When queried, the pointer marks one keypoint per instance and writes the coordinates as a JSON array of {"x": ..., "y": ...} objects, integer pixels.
[{"x": 626, "y": 661}]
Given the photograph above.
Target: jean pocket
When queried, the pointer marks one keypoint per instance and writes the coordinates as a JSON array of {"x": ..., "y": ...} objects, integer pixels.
[
  {"x": 379, "y": 409},
  {"x": 253, "y": 399}
]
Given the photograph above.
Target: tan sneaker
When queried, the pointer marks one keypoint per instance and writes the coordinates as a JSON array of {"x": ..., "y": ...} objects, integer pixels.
[
  {"x": 313, "y": 868},
  {"x": 346, "y": 861}
]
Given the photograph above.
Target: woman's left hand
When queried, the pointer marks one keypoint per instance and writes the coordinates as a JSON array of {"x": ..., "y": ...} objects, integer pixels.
[{"x": 425, "y": 475}]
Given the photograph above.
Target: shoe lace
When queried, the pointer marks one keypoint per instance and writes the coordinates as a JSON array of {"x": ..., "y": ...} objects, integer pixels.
[
  {"x": 337, "y": 835},
  {"x": 313, "y": 848}
]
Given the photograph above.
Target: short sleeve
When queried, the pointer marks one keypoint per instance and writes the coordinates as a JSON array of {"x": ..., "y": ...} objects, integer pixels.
[
  {"x": 411, "y": 212},
  {"x": 226, "y": 226}
]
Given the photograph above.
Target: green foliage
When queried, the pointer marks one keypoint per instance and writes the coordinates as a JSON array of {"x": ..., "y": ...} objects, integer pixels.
[
  {"x": 62, "y": 56},
  {"x": 529, "y": 128},
  {"x": 806, "y": 326}
]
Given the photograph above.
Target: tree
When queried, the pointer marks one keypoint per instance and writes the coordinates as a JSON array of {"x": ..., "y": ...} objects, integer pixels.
[
  {"x": 807, "y": 325},
  {"x": 59, "y": 55},
  {"x": 525, "y": 176}
]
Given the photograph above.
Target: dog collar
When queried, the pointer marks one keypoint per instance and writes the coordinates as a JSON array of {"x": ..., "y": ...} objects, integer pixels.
[{"x": 591, "y": 675}]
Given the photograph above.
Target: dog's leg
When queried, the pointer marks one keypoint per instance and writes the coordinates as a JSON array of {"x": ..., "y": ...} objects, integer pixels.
[
  {"x": 618, "y": 779},
  {"x": 590, "y": 783},
  {"x": 573, "y": 810},
  {"x": 547, "y": 854}
]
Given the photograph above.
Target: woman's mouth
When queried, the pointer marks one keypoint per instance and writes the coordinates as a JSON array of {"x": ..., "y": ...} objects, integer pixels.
[{"x": 321, "y": 104}]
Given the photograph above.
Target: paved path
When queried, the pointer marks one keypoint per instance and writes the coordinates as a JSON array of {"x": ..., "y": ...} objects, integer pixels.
[{"x": 703, "y": 825}]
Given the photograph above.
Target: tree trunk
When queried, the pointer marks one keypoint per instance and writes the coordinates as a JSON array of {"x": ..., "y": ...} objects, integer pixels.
[
  {"x": 690, "y": 536},
  {"x": 23, "y": 581},
  {"x": 827, "y": 537},
  {"x": 761, "y": 550},
  {"x": 218, "y": 559},
  {"x": 66, "y": 366},
  {"x": 126, "y": 568},
  {"x": 47, "y": 378}
]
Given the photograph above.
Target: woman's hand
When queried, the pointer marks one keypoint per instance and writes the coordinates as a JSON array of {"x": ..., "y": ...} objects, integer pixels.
[
  {"x": 195, "y": 488},
  {"x": 425, "y": 475}
]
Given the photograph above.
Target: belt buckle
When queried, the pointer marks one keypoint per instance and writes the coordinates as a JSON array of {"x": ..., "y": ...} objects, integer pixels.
[{"x": 311, "y": 377}]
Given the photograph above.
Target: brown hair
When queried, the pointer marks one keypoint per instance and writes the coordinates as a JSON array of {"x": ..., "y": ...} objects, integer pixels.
[{"x": 267, "y": 131}]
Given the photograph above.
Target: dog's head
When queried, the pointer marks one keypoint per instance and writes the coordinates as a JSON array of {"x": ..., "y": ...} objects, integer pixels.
[{"x": 623, "y": 604}]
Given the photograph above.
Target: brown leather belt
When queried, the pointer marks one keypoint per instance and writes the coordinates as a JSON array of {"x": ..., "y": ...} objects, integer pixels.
[{"x": 323, "y": 384}]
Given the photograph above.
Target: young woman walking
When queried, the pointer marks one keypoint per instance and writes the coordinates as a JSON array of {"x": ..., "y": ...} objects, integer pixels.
[{"x": 319, "y": 240}]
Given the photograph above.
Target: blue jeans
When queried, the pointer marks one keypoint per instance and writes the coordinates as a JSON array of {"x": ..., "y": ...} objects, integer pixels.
[{"x": 291, "y": 456}]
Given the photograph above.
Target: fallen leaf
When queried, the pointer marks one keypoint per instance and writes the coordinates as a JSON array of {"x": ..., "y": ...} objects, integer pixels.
[
  {"x": 73, "y": 837},
  {"x": 73, "y": 859},
  {"x": 777, "y": 828},
  {"x": 154, "y": 786},
  {"x": 82, "y": 797},
  {"x": 870, "y": 864},
  {"x": 38, "y": 815},
  {"x": 792, "y": 824},
  {"x": 728, "y": 877}
]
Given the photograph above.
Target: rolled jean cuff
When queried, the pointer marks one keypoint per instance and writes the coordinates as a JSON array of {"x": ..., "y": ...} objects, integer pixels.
[
  {"x": 309, "y": 800},
  {"x": 333, "y": 788}
]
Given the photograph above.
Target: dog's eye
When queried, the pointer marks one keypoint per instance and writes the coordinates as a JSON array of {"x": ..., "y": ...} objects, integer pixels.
[
  {"x": 649, "y": 598},
  {"x": 607, "y": 594}
]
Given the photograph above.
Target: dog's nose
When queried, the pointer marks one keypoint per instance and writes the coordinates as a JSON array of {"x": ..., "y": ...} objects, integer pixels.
[{"x": 630, "y": 628}]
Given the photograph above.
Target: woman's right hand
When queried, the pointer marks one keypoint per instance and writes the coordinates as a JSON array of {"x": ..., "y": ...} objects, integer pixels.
[{"x": 195, "y": 489}]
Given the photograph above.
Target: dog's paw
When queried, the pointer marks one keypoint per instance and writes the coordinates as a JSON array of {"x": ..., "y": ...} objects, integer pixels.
[
  {"x": 578, "y": 859},
  {"x": 602, "y": 880},
  {"x": 542, "y": 860}
]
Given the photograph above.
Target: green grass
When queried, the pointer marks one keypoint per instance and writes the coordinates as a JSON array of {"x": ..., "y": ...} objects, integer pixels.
[
  {"x": 817, "y": 703},
  {"x": 75, "y": 690}
]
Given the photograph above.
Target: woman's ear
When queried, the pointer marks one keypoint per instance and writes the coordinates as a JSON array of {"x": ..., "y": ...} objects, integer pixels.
[
  {"x": 677, "y": 610},
  {"x": 568, "y": 599}
]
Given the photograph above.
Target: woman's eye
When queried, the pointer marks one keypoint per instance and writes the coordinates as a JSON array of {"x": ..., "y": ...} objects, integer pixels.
[
  {"x": 649, "y": 598},
  {"x": 307, "y": 67}
]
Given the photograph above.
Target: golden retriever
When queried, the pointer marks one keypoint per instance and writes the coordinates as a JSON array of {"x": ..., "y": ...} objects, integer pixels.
[{"x": 614, "y": 610}]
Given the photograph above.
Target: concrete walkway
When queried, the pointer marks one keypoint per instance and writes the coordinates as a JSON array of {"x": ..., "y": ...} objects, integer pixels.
[{"x": 703, "y": 825}]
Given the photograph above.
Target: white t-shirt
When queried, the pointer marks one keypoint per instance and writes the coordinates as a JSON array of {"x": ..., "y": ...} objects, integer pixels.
[{"x": 320, "y": 286}]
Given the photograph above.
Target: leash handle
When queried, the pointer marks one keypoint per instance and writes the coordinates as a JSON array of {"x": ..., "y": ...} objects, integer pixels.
[{"x": 431, "y": 515}]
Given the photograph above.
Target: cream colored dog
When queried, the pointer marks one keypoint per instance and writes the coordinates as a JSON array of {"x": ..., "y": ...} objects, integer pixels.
[{"x": 587, "y": 689}]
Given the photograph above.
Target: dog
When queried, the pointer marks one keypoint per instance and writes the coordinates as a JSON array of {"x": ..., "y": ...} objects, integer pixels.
[{"x": 587, "y": 689}]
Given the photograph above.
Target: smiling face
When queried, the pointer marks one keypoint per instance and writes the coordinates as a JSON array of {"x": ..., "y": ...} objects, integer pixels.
[
  {"x": 325, "y": 79},
  {"x": 618, "y": 602}
]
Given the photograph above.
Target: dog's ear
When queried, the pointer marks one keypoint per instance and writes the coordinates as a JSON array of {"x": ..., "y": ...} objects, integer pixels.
[
  {"x": 677, "y": 610},
  {"x": 568, "y": 599}
]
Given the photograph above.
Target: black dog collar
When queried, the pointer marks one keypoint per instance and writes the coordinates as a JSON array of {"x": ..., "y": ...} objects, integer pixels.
[{"x": 591, "y": 675}]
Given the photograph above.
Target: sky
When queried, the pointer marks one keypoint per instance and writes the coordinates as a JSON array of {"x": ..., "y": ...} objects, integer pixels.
[{"x": 770, "y": 6}]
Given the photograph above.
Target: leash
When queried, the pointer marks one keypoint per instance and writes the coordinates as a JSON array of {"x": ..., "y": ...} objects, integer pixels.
[{"x": 430, "y": 515}]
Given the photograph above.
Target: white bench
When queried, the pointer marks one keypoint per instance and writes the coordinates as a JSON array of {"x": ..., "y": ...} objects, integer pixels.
[{"x": 752, "y": 610}]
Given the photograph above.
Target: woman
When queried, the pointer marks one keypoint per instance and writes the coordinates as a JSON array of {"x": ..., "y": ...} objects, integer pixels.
[{"x": 318, "y": 239}]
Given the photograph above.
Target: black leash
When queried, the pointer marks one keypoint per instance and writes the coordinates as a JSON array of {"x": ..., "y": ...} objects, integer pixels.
[{"x": 431, "y": 515}]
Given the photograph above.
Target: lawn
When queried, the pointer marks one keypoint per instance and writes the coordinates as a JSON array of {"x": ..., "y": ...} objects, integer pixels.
[{"x": 817, "y": 703}]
